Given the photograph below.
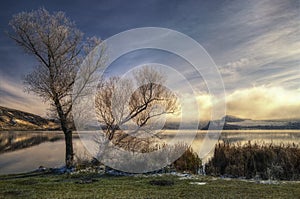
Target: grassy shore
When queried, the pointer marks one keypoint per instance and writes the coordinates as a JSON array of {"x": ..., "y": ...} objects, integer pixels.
[{"x": 94, "y": 186}]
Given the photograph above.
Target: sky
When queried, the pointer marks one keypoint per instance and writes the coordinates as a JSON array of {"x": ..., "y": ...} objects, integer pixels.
[{"x": 254, "y": 44}]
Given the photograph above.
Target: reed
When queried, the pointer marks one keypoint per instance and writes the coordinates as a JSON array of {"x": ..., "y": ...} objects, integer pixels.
[{"x": 253, "y": 160}]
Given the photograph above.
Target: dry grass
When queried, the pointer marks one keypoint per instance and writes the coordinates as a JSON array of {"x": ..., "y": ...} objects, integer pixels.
[{"x": 254, "y": 160}]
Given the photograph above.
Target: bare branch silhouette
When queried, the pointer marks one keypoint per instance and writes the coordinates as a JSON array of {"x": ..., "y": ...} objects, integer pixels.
[
  {"x": 59, "y": 48},
  {"x": 118, "y": 105}
]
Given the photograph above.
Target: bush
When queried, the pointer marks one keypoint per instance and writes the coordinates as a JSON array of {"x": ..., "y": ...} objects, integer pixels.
[
  {"x": 188, "y": 162},
  {"x": 253, "y": 160}
]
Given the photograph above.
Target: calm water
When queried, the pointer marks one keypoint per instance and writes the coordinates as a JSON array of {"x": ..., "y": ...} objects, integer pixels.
[{"x": 26, "y": 151}]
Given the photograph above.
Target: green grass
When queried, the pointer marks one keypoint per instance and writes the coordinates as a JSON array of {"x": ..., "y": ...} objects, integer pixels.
[{"x": 63, "y": 186}]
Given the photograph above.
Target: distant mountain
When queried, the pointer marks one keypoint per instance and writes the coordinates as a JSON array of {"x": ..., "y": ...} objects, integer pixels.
[
  {"x": 235, "y": 123},
  {"x": 12, "y": 119},
  {"x": 230, "y": 118}
]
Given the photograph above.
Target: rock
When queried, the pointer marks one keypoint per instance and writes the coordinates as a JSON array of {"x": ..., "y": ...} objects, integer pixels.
[
  {"x": 41, "y": 168},
  {"x": 198, "y": 183},
  {"x": 162, "y": 182},
  {"x": 62, "y": 170}
]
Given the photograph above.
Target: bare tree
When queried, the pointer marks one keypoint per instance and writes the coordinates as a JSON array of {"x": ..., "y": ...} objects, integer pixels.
[
  {"x": 118, "y": 103},
  {"x": 58, "y": 46}
]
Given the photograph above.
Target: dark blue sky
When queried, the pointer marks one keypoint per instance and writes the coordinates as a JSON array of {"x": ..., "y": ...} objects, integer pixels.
[{"x": 254, "y": 43}]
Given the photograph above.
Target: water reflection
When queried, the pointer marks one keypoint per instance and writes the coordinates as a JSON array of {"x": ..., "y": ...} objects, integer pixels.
[
  {"x": 14, "y": 140},
  {"x": 26, "y": 151}
]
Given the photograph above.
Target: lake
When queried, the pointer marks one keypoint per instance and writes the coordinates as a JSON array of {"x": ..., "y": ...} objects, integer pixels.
[{"x": 23, "y": 151}]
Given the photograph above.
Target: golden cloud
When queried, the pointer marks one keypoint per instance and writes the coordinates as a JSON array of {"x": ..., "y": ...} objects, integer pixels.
[
  {"x": 257, "y": 103},
  {"x": 264, "y": 103}
]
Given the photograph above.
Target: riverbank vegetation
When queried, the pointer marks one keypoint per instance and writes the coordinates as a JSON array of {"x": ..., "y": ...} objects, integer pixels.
[
  {"x": 252, "y": 160},
  {"x": 188, "y": 162}
]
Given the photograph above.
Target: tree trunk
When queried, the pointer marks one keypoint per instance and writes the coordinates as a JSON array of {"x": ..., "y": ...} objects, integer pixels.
[{"x": 69, "y": 158}]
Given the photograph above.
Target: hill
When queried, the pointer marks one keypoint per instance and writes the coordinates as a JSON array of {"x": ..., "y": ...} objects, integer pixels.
[
  {"x": 230, "y": 118},
  {"x": 12, "y": 119}
]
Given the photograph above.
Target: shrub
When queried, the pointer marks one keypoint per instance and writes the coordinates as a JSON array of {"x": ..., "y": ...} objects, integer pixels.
[{"x": 188, "y": 161}]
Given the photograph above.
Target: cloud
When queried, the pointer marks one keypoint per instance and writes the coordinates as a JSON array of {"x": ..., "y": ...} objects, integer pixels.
[
  {"x": 237, "y": 64},
  {"x": 231, "y": 68},
  {"x": 13, "y": 96},
  {"x": 264, "y": 103},
  {"x": 253, "y": 42},
  {"x": 202, "y": 110},
  {"x": 205, "y": 104},
  {"x": 257, "y": 103},
  {"x": 266, "y": 35}
]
